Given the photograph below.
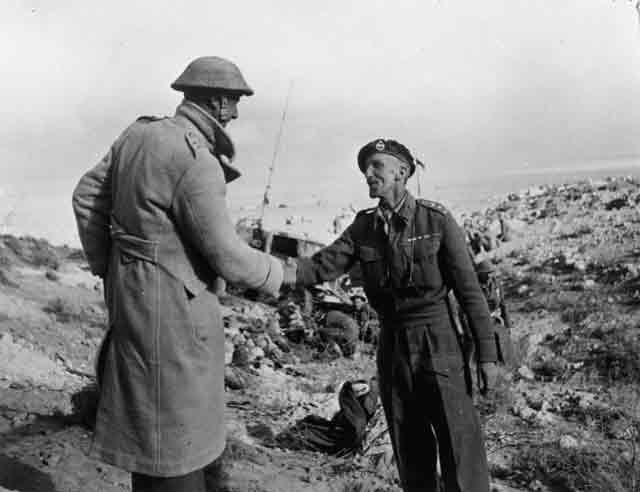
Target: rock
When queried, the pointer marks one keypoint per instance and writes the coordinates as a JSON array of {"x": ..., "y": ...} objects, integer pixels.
[
  {"x": 235, "y": 378},
  {"x": 262, "y": 341},
  {"x": 536, "y": 191},
  {"x": 383, "y": 461},
  {"x": 282, "y": 343},
  {"x": 264, "y": 362},
  {"x": 525, "y": 373},
  {"x": 547, "y": 364},
  {"x": 239, "y": 339},
  {"x": 523, "y": 289},
  {"x": 24, "y": 367},
  {"x": 261, "y": 431},
  {"x": 232, "y": 328},
  {"x": 241, "y": 356},
  {"x": 229, "y": 348},
  {"x": 333, "y": 351},
  {"x": 537, "y": 486},
  {"x": 580, "y": 265},
  {"x": 274, "y": 353},
  {"x": 568, "y": 442},
  {"x": 524, "y": 411},
  {"x": 273, "y": 326},
  {"x": 535, "y": 401},
  {"x": 617, "y": 203},
  {"x": 255, "y": 353}
]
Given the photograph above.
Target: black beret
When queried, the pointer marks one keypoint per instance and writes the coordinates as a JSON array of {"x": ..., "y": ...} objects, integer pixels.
[{"x": 387, "y": 146}]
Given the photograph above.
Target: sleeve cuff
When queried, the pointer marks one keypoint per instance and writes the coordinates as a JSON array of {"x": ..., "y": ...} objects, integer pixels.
[
  {"x": 273, "y": 282},
  {"x": 487, "y": 349},
  {"x": 305, "y": 274}
]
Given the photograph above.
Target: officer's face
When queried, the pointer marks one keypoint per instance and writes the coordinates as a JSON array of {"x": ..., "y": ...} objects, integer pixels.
[
  {"x": 384, "y": 173},
  {"x": 225, "y": 108}
]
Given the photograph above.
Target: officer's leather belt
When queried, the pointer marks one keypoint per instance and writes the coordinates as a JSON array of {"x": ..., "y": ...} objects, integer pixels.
[
  {"x": 132, "y": 245},
  {"x": 425, "y": 312}
]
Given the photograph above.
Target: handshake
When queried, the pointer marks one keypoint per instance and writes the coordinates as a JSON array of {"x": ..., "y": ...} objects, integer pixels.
[
  {"x": 289, "y": 272},
  {"x": 282, "y": 274}
]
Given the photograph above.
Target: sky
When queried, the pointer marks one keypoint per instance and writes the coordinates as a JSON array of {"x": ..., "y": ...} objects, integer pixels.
[{"x": 474, "y": 89}]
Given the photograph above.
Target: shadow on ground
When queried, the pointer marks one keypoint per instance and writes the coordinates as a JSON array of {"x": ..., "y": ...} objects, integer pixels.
[{"x": 18, "y": 476}]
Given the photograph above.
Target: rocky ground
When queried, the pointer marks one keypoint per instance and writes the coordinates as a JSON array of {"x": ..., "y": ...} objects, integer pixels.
[{"x": 564, "y": 417}]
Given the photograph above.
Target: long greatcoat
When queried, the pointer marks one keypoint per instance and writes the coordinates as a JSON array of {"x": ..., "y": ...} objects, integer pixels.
[{"x": 153, "y": 222}]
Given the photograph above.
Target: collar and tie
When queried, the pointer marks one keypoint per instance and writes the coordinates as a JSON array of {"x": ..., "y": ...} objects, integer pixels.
[{"x": 386, "y": 213}]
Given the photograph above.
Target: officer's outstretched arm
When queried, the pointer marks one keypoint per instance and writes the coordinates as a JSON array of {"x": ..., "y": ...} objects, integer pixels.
[
  {"x": 461, "y": 274},
  {"x": 201, "y": 213},
  {"x": 92, "y": 209},
  {"x": 328, "y": 263}
]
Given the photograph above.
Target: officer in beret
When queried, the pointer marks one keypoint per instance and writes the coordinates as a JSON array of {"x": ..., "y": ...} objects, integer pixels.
[
  {"x": 153, "y": 222},
  {"x": 412, "y": 253}
]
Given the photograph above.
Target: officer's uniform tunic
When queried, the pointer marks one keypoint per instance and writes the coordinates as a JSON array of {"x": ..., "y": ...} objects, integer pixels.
[{"x": 407, "y": 272}]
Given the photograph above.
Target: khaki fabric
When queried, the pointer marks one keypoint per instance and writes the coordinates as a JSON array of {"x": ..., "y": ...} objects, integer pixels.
[{"x": 153, "y": 220}]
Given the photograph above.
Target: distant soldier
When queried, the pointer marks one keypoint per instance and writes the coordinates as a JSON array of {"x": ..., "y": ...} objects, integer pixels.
[
  {"x": 365, "y": 316},
  {"x": 494, "y": 294},
  {"x": 506, "y": 232},
  {"x": 412, "y": 252},
  {"x": 476, "y": 238},
  {"x": 341, "y": 329},
  {"x": 153, "y": 221}
]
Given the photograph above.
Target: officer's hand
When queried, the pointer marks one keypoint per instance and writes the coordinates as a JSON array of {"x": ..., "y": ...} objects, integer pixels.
[
  {"x": 488, "y": 374},
  {"x": 290, "y": 268}
]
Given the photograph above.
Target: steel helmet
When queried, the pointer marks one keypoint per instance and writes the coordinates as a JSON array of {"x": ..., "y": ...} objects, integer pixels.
[
  {"x": 215, "y": 73},
  {"x": 484, "y": 266}
]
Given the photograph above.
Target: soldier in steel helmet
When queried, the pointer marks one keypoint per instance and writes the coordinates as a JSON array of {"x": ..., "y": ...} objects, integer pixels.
[
  {"x": 153, "y": 221},
  {"x": 494, "y": 293},
  {"x": 412, "y": 252}
]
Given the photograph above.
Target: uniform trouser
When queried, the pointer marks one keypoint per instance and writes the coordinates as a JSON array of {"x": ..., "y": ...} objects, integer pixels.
[
  {"x": 428, "y": 407},
  {"x": 191, "y": 482}
]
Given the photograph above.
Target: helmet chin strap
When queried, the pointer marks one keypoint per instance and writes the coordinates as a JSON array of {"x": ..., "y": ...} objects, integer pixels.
[
  {"x": 219, "y": 104},
  {"x": 224, "y": 144}
]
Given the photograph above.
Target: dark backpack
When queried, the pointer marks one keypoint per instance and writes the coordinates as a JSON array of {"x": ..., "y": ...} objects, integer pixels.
[{"x": 343, "y": 434}]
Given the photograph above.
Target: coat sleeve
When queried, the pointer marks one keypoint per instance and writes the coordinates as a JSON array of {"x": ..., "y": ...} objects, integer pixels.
[
  {"x": 328, "y": 263},
  {"x": 201, "y": 213},
  {"x": 91, "y": 203},
  {"x": 463, "y": 279}
]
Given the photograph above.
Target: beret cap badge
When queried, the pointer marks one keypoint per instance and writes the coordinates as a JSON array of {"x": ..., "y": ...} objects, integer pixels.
[{"x": 380, "y": 145}]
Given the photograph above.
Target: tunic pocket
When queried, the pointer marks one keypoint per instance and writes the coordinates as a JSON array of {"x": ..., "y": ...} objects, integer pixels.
[
  {"x": 373, "y": 267},
  {"x": 422, "y": 254}
]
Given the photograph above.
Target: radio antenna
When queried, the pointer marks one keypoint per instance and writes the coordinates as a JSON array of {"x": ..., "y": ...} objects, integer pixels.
[{"x": 265, "y": 198}]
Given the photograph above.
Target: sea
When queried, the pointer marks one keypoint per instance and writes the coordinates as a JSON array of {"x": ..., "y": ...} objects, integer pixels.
[
  {"x": 315, "y": 218},
  {"x": 312, "y": 216}
]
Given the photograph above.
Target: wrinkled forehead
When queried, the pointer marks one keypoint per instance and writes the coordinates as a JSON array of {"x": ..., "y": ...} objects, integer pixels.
[{"x": 384, "y": 159}]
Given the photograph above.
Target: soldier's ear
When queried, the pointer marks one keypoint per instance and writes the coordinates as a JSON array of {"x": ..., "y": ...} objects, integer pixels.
[{"x": 403, "y": 173}]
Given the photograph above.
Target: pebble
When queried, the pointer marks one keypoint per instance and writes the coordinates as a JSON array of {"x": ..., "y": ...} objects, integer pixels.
[
  {"x": 525, "y": 373},
  {"x": 568, "y": 442},
  {"x": 255, "y": 353}
]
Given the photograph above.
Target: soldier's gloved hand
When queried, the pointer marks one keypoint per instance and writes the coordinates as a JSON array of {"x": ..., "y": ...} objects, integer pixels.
[
  {"x": 488, "y": 374},
  {"x": 290, "y": 269}
]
